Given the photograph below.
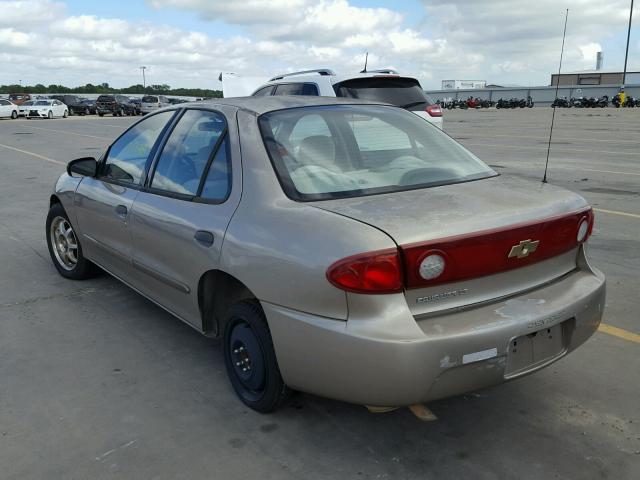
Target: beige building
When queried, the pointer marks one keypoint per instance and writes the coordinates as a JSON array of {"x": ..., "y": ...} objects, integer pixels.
[{"x": 595, "y": 77}]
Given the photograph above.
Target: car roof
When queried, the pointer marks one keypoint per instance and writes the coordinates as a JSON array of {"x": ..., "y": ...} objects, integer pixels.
[{"x": 260, "y": 105}]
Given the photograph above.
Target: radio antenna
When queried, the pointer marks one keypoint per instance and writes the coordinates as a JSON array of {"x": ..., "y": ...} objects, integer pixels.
[
  {"x": 366, "y": 58},
  {"x": 555, "y": 102}
]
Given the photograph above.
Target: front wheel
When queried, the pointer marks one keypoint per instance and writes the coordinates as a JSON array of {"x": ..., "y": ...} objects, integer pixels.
[
  {"x": 250, "y": 358},
  {"x": 64, "y": 246},
  {"x": 65, "y": 114},
  {"x": 50, "y": 115},
  {"x": 14, "y": 115}
]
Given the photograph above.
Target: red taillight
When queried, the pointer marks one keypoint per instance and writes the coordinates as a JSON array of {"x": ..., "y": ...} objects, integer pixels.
[
  {"x": 498, "y": 250},
  {"x": 373, "y": 272},
  {"x": 434, "y": 110}
]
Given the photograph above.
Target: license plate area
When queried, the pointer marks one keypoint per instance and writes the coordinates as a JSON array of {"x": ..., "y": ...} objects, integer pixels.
[{"x": 537, "y": 349}]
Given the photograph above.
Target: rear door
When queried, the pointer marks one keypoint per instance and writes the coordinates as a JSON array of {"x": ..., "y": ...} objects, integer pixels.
[
  {"x": 180, "y": 218},
  {"x": 103, "y": 204}
]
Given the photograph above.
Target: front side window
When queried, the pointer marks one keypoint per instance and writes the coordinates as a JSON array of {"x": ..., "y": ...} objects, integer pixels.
[
  {"x": 297, "y": 89},
  {"x": 341, "y": 151},
  {"x": 127, "y": 157},
  {"x": 188, "y": 152}
]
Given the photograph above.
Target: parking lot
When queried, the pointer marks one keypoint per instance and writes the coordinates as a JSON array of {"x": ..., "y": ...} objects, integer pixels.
[{"x": 98, "y": 382}]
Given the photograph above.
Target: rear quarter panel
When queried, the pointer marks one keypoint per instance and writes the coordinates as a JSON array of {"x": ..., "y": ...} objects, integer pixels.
[{"x": 281, "y": 249}]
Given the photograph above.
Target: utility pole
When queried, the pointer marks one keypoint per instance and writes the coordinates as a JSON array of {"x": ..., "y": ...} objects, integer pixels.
[
  {"x": 144, "y": 81},
  {"x": 626, "y": 54}
]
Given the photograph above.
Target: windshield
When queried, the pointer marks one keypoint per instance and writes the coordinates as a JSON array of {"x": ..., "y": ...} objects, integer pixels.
[
  {"x": 343, "y": 151},
  {"x": 43, "y": 102},
  {"x": 398, "y": 91},
  {"x": 106, "y": 98},
  {"x": 149, "y": 99}
]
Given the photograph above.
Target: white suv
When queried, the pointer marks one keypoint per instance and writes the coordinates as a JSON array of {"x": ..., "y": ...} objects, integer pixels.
[{"x": 378, "y": 85}]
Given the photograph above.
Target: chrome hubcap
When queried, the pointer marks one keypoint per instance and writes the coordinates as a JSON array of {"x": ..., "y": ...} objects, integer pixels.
[{"x": 64, "y": 242}]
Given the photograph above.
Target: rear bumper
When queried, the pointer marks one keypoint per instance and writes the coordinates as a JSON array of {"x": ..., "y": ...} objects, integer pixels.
[{"x": 397, "y": 360}]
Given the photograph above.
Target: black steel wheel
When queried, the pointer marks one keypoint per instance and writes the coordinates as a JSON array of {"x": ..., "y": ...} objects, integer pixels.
[{"x": 250, "y": 358}]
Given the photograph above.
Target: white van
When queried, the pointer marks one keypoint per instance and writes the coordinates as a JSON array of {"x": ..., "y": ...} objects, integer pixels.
[{"x": 153, "y": 102}]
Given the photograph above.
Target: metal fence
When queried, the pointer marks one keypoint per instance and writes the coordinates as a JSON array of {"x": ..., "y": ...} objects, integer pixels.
[{"x": 541, "y": 96}]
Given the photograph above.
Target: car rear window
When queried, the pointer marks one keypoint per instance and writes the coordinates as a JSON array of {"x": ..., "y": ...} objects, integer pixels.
[
  {"x": 398, "y": 91},
  {"x": 341, "y": 151},
  {"x": 149, "y": 99}
]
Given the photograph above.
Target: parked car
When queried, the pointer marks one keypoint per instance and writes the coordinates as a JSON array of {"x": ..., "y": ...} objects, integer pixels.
[
  {"x": 85, "y": 106},
  {"x": 8, "y": 109},
  {"x": 376, "y": 86},
  {"x": 69, "y": 100},
  {"x": 150, "y": 103},
  {"x": 137, "y": 104},
  {"x": 48, "y": 109},
  {"x": 116, "y": 105},
  {"x": 24, "y": 108},
  {"x": 338, "y": 247},
  {"x": 19, "y": 98}
]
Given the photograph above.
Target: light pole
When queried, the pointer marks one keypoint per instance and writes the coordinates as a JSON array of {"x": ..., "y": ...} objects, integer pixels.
[
  {"x": 626, "y": 54},
  {"x": 144, "y": 81}
]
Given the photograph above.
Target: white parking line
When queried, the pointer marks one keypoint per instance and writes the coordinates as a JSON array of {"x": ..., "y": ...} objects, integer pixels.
[
  {"x": 67, "y": 133},
  {"x": 41, "y": 157}
]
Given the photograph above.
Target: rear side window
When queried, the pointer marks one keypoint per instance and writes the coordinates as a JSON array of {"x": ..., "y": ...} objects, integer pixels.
[
  {"x": 149, "y": 99},
  {"x": 188, "y": 152},
  {"x": 398, "y": 91},
  {"x": 127, "y": 157},
  {"x": 297, "y": 89}
]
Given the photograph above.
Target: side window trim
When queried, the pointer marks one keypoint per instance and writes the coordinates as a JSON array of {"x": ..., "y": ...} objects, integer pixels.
[
  {"x": 205, "y": 171},
  {"x": 103, "y": 160}
]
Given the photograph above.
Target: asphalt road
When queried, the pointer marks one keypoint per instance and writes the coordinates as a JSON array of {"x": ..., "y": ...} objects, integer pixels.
[{"x": 97, "y": 382}]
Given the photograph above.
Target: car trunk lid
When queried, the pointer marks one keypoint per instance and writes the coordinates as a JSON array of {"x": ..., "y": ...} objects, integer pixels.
[{"x": 478, "y": 223}]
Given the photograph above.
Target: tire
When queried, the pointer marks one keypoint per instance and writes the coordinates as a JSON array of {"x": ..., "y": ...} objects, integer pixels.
[
  {"x": 250, "y": 358},
  {"x": 14, "y": 115},
  {"x": 69, "y": 261},
  {"x": 87, "y": 111},
  {"x": 69, "y": 112},
  {"x": 101, "y": 114},
  {"x": 50, "y": 115},
  {"x": 65, "y": 114},
  {"x": 121, "y": 112}
]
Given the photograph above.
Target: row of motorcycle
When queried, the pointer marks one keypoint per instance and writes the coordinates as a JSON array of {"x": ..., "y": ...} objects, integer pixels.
[
  {"x": 592, "y": 102},
  {"x": 472, "y": 102}
]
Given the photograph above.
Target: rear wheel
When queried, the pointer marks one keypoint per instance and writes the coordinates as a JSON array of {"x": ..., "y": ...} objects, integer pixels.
[
  {"x": 65, "y": 114},
  {"x": 14, "y": 115},
  {"x": 64, "y": 246},
  {"x": 250, "y": 358},
  {"x": 101, "y": 114}
]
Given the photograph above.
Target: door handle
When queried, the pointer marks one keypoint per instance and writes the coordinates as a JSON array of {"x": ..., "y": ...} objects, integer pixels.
[
  {"x": 121, "y": 210},
  {"x": 204, "y": 238}
]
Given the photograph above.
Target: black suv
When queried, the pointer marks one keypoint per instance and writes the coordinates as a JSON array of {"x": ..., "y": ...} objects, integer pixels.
[
  {"x": 117, "y": 105},
  {"x": 69, "y": 100}
]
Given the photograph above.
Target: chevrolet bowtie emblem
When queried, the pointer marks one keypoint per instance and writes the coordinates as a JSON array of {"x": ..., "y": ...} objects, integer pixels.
[{"x": 524, "y": 248}]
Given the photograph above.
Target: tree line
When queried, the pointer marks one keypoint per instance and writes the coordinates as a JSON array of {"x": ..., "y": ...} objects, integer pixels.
[{"x": 105, "y": 88}]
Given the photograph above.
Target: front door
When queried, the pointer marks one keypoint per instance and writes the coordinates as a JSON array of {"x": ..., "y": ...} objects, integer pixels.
[
  {"x": 103, "y": 204},
  {"x": 179, "y": 220}
]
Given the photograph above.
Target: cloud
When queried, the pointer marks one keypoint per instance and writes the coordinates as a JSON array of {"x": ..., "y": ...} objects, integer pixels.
[{"x": 497, "y": 40}]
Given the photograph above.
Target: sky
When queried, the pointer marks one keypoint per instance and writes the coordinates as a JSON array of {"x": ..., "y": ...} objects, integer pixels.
[{"x": 187, "y": 43}]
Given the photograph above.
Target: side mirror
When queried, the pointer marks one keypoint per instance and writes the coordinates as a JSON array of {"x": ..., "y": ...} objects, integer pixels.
[{"x": 85, "y": 167}]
